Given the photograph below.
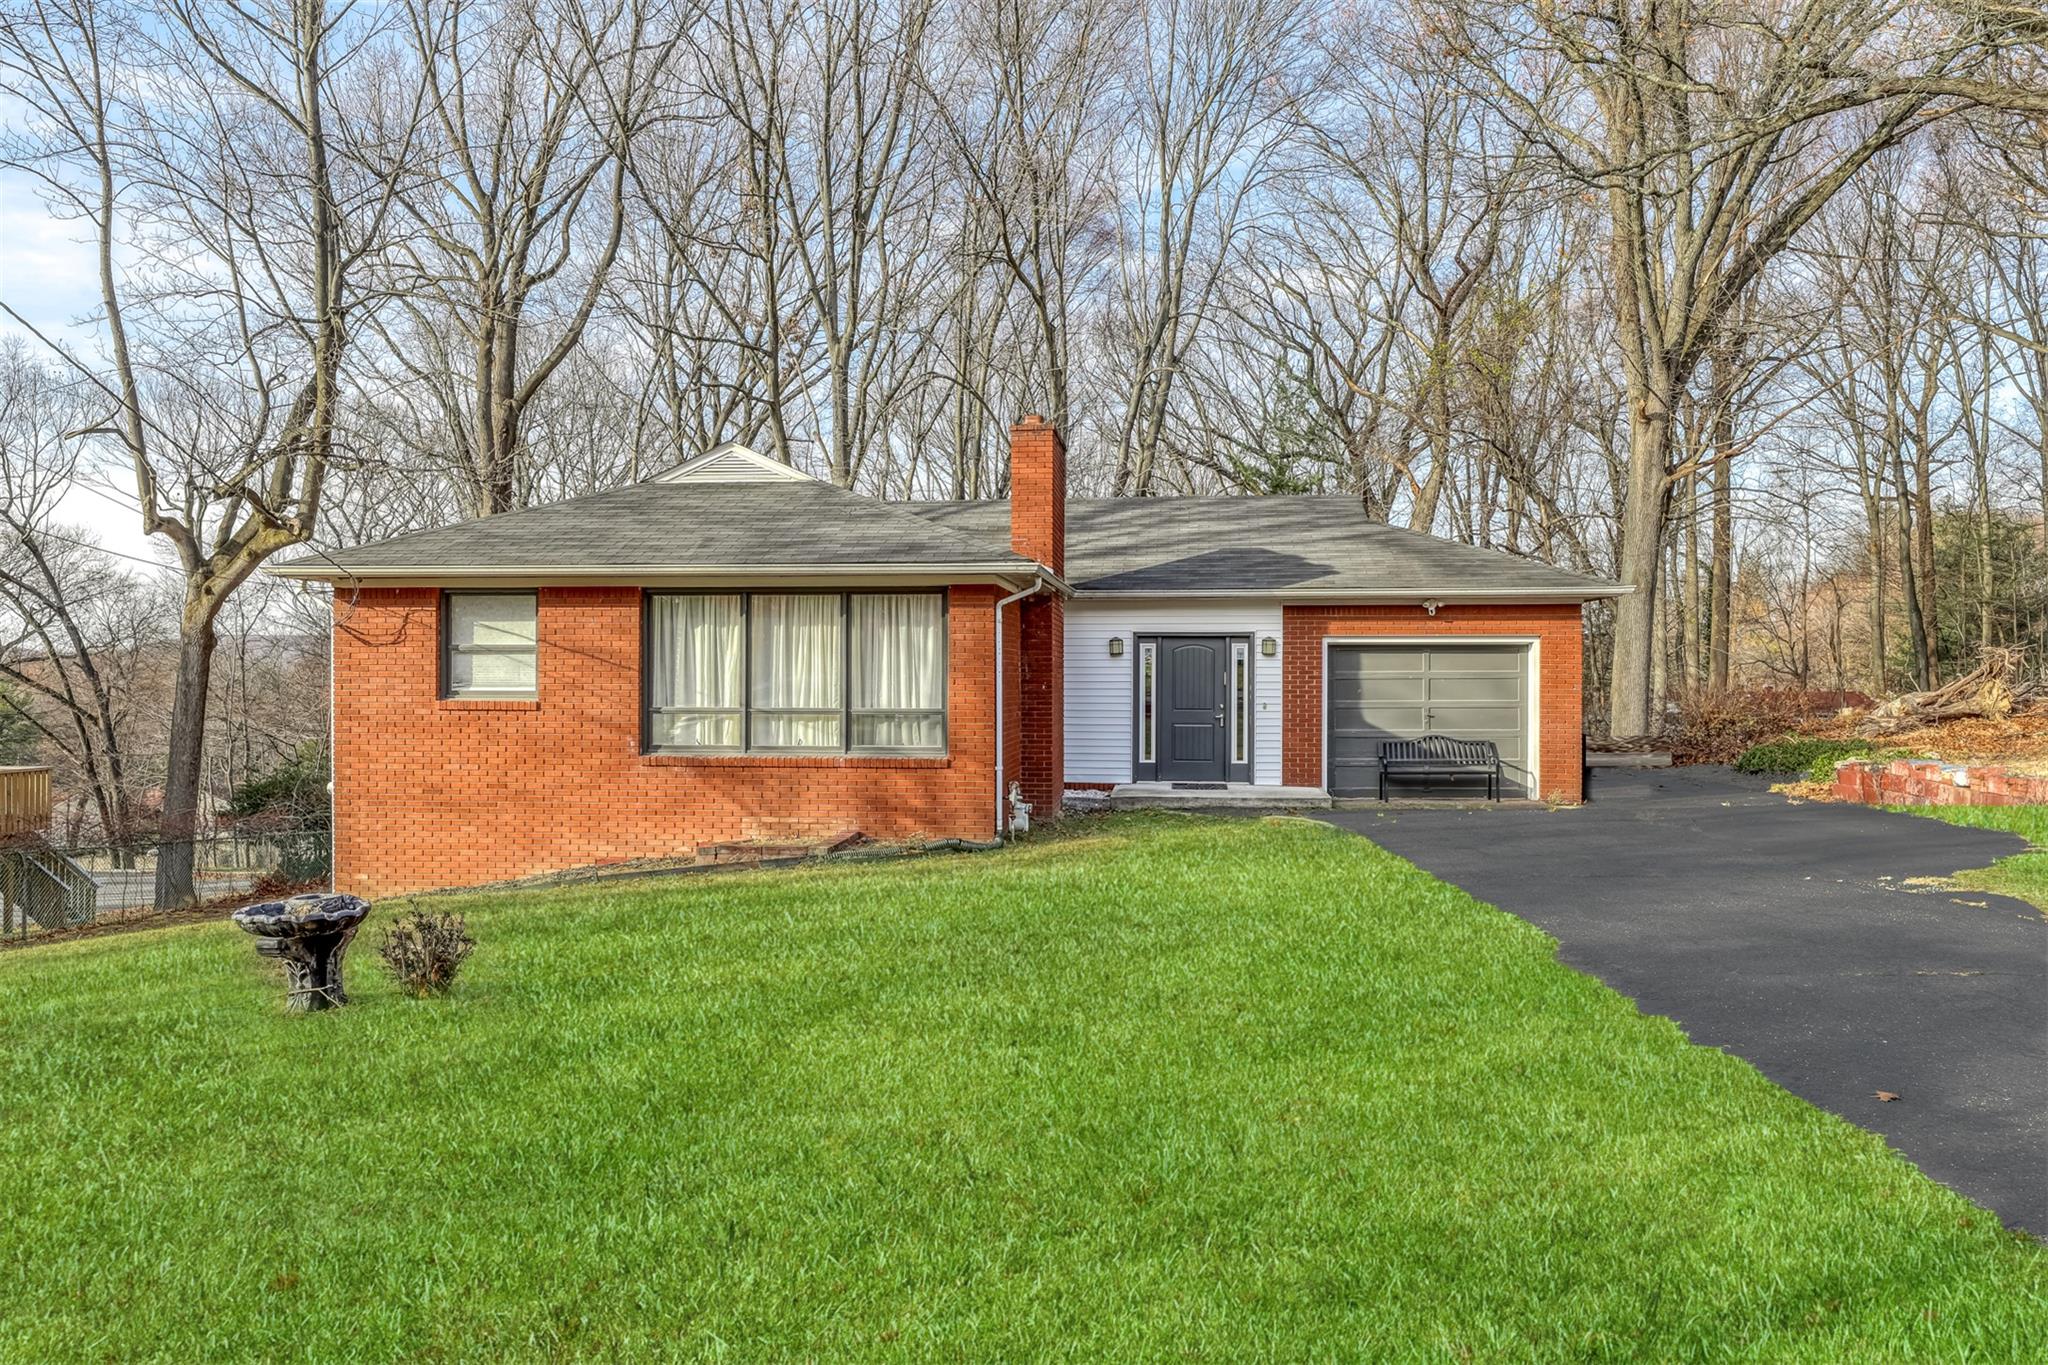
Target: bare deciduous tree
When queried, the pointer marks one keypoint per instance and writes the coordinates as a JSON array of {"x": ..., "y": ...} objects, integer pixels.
[{"x": 210, "y": 147}]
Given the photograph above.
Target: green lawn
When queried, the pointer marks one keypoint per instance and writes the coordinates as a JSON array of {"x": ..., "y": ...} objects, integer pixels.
[
  {"x": 2023, "y": 875},
  {"x": 1158, "y": 1088}
]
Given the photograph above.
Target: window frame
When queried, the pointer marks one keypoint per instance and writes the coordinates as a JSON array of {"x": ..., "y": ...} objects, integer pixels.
[
  {"x": 749, "y": 710},
  {"x": 846, "y": 748},
  {"x": 444, "y": 686},
  {"x": 1148, "y": 702},
  {"x": 647, "y": 708},
  {"x": 1240, "y": 738},
  {"x": 945, "y": 674}
]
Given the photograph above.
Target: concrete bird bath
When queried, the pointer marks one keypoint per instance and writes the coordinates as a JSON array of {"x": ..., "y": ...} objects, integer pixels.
[{"x": 309, "y": 934}]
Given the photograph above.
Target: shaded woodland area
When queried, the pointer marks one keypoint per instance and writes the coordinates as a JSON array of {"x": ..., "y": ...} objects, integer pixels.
[{"x": 1741, "y": 304}]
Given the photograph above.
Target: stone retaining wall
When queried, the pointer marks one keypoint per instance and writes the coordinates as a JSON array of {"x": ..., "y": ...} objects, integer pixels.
[{"x": 1928, "y": 782}]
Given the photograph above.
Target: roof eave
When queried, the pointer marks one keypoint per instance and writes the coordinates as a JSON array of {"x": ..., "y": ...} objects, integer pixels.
[
  {"x": 1403, "y": 596},
  {"x": 662, "y": 575}
]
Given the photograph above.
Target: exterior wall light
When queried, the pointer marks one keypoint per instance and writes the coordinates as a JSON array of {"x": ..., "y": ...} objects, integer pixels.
[
  {"x": 1116, "y": 646},
  {"x": 1430, "y": 605},
  {"x": 1269, "y": 647}
]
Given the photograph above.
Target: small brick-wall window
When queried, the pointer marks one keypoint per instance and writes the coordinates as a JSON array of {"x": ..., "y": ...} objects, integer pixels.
[
  {"x": 490, "y": 644},
  {"x": 861, "y": 672}
]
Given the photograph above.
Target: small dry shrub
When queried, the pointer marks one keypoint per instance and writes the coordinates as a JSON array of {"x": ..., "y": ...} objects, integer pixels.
[
  {"x": 424, "y": 950},
  {"x": 1716, "y": 727}
]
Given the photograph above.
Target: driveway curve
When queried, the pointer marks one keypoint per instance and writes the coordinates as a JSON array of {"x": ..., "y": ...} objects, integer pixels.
[{"x": 1805, "y": 938}]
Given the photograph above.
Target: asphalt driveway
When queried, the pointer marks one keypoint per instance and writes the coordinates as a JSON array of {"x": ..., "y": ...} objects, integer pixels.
[{"x": 1794, "y": 936}]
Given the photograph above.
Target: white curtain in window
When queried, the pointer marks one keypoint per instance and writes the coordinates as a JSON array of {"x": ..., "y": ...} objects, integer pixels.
[
  {"x": 491, "y": 642},
  {"x": 696, "y": 660},
  {"x": 899, "y": 670},
  {"x": 797, "y": 664}
]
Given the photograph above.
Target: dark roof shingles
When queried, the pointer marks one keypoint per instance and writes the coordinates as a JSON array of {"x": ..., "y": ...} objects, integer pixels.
[
  {"x": 684, "y": 526},
  {"x": 1305, "y": 542}
]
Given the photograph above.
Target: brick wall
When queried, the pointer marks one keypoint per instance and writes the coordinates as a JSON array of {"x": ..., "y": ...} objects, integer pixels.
[
  {"x": 1559, "y": 706},
  {"x": 434, "y": 793},
  {"x": 1042, "y": 731},
  {"x": 1925, "y": 782}
]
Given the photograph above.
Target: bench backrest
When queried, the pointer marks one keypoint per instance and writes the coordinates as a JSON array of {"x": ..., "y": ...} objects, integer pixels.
[{"x": 1440, "y": 749}]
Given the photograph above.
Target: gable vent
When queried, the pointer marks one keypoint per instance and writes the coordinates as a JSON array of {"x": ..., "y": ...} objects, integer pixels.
[{"x": 732, "y": 463}]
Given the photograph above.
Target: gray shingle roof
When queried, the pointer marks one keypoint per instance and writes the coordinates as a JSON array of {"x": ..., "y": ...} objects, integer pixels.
[
  {"x": 1312, "y": 544},
  {"x": 683, "y": 526},
  {"x": 1280, "y": 546}
]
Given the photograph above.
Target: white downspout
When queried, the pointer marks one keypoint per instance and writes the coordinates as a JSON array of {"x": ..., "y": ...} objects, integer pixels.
[{"x": 1036, "y": 584}]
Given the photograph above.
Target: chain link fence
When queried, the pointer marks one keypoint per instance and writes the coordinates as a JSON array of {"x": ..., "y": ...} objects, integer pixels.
[{"x": 46, "y": 887}]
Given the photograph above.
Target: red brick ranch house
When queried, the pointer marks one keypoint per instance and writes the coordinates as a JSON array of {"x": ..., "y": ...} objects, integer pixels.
[{"x": 734, "y": 650}]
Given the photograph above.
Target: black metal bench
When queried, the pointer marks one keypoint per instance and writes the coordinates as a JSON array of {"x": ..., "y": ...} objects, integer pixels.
[{"x": 1441, "y": 756}]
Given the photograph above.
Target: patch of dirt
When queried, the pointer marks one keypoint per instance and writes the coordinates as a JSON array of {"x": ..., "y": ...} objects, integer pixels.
[{"x": 1805, "y": 791}]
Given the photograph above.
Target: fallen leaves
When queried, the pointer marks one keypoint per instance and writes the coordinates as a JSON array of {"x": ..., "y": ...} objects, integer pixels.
[{"x": 1886, "y": 1096}]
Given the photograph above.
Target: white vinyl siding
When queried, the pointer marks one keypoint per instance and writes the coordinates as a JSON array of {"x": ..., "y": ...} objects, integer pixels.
[{"x": 1101, "y": 692}]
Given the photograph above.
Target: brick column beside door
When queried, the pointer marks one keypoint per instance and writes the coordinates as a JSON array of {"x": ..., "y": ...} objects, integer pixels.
[{"x": 1557, "y": 709}]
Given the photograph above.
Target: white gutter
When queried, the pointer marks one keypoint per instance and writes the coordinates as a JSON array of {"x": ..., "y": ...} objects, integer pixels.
[
  {"x": 1381, "y": 596},
  {"x": 1013, "y": 597},
  {"x": 627, "y": 573}
]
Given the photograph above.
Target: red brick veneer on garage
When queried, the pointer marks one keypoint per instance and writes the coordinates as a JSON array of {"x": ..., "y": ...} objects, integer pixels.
[
  {"x": 432, "y": 793},
  {"x": 1558, "y": 702}
]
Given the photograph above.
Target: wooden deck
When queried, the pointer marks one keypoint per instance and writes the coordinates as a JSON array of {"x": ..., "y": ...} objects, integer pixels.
[{"x": 24, "y": 801}]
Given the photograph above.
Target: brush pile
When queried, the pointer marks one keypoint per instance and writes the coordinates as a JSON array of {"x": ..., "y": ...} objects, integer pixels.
[{"x": 1992, "y": 690}]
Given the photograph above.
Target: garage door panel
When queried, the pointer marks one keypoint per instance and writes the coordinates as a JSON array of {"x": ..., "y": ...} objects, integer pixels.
[
  {"x": 1475, "y": 660},
  {"x": 1347, "y": 663},
  {"x": 1505, "y": 688},
  {"x": 1378, "y": 721},
  {"x": 1475, "y": 722},
  {"x": 1395, "y": 688},
  {"x": 1377, "y": 693}
]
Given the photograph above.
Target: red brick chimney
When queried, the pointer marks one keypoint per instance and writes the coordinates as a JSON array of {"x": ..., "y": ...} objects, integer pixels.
[
  {"x": 1038, "y": 530},
  {"x": 1038, "y": 493}
]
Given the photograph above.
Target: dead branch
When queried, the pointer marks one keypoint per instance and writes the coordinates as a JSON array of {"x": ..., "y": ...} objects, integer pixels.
[{"x": 1990, "y": 691}]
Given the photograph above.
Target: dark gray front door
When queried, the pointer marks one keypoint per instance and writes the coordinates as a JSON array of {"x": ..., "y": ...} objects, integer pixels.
[{"x": 1194, "y": 695}]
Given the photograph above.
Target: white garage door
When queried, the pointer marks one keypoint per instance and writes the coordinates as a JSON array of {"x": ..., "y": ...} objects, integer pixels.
[{"x": 1382, "y": 692}]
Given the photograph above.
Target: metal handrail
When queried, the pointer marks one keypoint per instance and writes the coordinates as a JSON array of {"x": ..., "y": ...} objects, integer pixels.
[{"x": 54, "y": 896}]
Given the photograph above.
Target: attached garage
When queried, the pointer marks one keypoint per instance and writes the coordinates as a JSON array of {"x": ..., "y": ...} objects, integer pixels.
[{"x": 1383, "y": 691}]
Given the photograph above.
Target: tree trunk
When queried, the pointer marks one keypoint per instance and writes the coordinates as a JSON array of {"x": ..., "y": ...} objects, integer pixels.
[
  {"x": 499, "y": 417},
  {"x": 1878, "y": 662},
  {"x": 1689, "y": 638},
  {"x": 1660, "y": 621},
  {"x": 1980, "y": 452},
  {"x": 1631, "y": 709},
  {"x": 1923, "y": 554},
  {"x": 1720, "y": 592},
  {"x": 1909, "y": 583},
  {"x": 174, "y": 860}
]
